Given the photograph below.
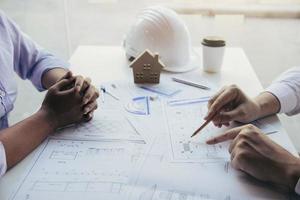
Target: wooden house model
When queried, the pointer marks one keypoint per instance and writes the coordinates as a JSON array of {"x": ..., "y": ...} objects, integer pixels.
[{"x": 146, "y": 68}]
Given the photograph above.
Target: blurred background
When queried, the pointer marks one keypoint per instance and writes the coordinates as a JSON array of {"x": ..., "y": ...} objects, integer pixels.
[{"x": 267, "y": 30}]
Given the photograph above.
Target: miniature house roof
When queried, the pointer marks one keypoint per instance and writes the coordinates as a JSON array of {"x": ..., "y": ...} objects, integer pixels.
[{"x": 146, "y": 56}]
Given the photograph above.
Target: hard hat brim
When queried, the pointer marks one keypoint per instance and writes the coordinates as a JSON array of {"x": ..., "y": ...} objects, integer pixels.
[{"x": 193, "y": 63}]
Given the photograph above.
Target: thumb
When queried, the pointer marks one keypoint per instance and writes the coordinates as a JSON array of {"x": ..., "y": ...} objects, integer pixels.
[
  {"x": 60, "y": 85},
  {"x": 66, "y": 76}
]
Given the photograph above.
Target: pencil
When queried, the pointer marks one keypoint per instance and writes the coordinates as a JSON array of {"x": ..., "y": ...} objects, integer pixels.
[
  {"x": 190, "y": 83},
  {"x": 203, "y": 125}
]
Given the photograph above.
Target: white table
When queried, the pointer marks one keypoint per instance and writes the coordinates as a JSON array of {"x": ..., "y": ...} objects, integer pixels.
[{"x": 106, "y": 63}]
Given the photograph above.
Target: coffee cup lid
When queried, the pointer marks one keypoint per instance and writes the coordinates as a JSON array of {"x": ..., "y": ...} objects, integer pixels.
[{"x": 213, "y": 41}]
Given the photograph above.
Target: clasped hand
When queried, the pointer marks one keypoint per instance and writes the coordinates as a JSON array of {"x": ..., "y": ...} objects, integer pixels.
[{"x": 71, "y": 100}]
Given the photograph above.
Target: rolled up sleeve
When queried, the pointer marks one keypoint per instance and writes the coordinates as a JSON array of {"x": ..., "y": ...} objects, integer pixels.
[
  {"x": 30, "y": 60},
  {"x": 287, "y": 90},
  {"x": 3, "y": 165}
]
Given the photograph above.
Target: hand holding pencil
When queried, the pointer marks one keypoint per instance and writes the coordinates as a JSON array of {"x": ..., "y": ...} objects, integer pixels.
[
  {"x": 230, "y": 104},
  {"x": 202, "y": 126}
]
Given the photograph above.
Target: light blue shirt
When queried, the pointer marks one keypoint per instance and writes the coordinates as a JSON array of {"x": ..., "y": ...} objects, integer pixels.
[{"x": 19, "y": 54}]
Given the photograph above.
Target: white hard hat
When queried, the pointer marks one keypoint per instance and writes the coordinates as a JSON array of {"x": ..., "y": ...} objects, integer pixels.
[{"x": 162, "y": 31}]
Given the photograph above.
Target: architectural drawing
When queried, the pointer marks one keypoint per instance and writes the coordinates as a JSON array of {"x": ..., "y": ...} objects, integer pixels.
[
  {"x": 120, "y": 156},
  {"x": 154, "y": 193},
  {"x": 106, "y": 125},
  {"x": 85, "y": 186},
  {"x": 163, "y": 180},
  {"x": 182, "y": 121},
  {"x": 80, "y": 170}
]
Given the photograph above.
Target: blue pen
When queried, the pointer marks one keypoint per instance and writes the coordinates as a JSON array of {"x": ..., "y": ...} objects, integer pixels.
[{"x": 147, "y": 102}]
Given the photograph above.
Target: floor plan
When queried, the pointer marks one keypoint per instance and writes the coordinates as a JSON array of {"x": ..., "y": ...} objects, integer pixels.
[
  {"x": 182, "y": 122},
  {"x": 80, "y": 169}
]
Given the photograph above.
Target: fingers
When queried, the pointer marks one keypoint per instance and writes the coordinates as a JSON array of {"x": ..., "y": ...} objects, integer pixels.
[
  {"x": 230, "y": 115},
  {"x": 88, "y": 91},
  {"x": 241, "y": 156},
  {"x": 90, "y": 95},
  {"x": 81, "y": 84},
  {"x": 217, "y": 120},
  {"x": 223, "y": 99},
  {"x": 85, "y": 86},
  {"x": 228, "y": 135},
  {"x": 79, "y": 80},
  {"x": 88, "y": 117},
  {"x": 66, "y": 76},
  {"x": 210, "y": 102},
  {"x": 90, "y": 107},
  {"x": 225, "y": 117},
  {"x": 242, "y": 137},
  {"x": 244, "y": 156},
  {"x": 253, "y": 137},
  {"x": 64, "y": 83}
]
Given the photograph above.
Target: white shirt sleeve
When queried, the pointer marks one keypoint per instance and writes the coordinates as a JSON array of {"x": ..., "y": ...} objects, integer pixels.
[
  {"x": 3, "y": 165},
  {"x": 287, "y": 89},
  {"x": 297, "y": 187}
]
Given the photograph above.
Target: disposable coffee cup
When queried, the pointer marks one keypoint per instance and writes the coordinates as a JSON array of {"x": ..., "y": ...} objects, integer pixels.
[{"x": 213, "y": 49}]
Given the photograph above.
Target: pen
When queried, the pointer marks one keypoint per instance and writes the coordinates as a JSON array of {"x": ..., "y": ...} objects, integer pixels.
[
  {"x": 109, "y": 93},
  {"x": 102, "y": 95},
  {"x": 190, "y": 83},
  {"x": 204, "y": 124}
]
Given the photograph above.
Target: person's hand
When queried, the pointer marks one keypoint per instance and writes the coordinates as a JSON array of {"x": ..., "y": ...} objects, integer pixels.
[
  {"x": 63, "y": 104},
  {"x": 257, "y": 155},
  {"x": 89, "y": 95},
  {"x": 231, "y": 104}
]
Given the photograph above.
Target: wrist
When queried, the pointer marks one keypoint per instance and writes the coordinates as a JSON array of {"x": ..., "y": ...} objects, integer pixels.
[
  {"x": 49, "y": 117},
  {"x": 53, "y": 75},
  {"x": 256, "y": 110},
  {"x": 267, "y": 104}
]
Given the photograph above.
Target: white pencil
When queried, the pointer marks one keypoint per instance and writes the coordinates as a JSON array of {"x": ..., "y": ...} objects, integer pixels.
[{"x": 190, "y": 83}]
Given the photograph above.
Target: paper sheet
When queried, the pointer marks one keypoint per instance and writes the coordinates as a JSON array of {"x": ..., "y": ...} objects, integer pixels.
[
  {"x": 107, "y": 158},
  {"x": 107, "y": 124},
  {"x": 160, "y": 179},
  {"x": 70, "y": 169},
  {"x": 182, "y": 122},
  {"x": 148, "y": 126}
]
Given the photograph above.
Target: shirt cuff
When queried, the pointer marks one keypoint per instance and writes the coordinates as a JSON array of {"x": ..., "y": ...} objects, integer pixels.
[
  {"x": 3, "y": 164},
  {"x": 297, "y": 187},
  {"x": 285, "y": 95},
  {"x": 43, "y": 67}
]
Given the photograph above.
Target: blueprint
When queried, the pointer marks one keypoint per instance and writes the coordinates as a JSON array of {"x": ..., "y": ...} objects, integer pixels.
[
  {"x": 70, "y": 169},
  {"x": 107, "y": 124},
  {"x": 122, "y": 155},
  {"x": 182, "y": 122},
  {"x": 158, "y": 178},
  {"x": 153, "y": 192}
]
